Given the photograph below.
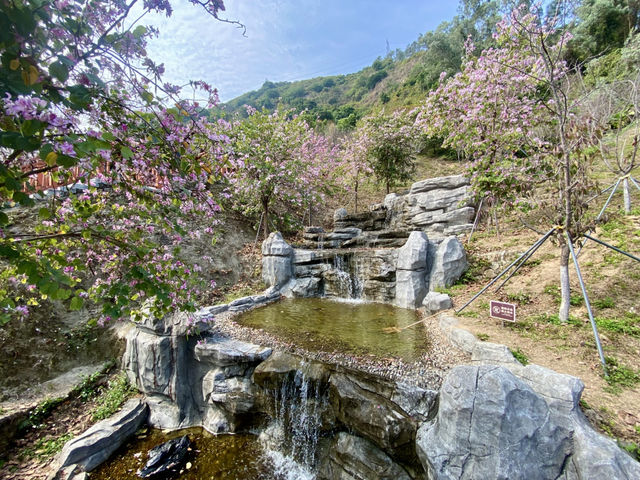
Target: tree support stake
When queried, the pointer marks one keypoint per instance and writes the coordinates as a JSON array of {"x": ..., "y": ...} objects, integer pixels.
[
  {"x": 495, "y": 279},
  {"x": 586, "y": 302}
]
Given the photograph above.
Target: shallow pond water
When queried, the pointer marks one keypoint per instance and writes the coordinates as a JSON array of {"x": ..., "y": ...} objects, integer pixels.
[
  {"x": 362, "y": 328},
  {"x": 213, "y": 457}
]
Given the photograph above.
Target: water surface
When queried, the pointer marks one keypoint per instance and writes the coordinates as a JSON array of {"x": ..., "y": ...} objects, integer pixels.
[
  {"x": 213, "y": 457},
  {"x": 361, "y": 328}
]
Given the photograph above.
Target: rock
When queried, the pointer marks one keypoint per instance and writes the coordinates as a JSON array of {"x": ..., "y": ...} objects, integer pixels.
[
  {"x": 450, "y": 182},
  {"x": 307, "y": 287},
  {"x": 490, "y": 424},
  {"x": 340, "y": 214},
  {"x": 222, "y": 351},
  {"x": 354, "y": 458},
  {"x": 276, "y": 270},
  {"x": 166, "y": 457},
  {"x": 276, "y": 261},
  {"x": 487, "y": 353},
  {"x": 458, "y": 229},
  {"x": 449, "y": 263},
  {"x": 149, "y": 361},
  {"x": 372, "y": 416},
  {"x": 459, "y": 216},
  {"x": 417, "y": 402},
  {"x": 233, "y": 394},
  {"x": 463, "y": 339},
  {"x": 275, "y": 245},
  {"x": 96, "y": 444},
  {"x": 271, "y": 373},
  {"x": 435, "y": 302},
  {"x": 411, "y": 288},
  {"x": 314, "y": 230},
  {"x": 413, "y": 255}
]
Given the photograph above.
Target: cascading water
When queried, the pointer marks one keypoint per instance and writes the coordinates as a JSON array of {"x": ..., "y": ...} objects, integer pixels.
[
  {"x": 343, "y": 276},
  {"x": 291, "y": 440}
]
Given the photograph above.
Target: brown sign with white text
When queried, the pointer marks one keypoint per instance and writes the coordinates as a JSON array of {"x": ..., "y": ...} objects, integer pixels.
[{"x": 503, "y": 311}]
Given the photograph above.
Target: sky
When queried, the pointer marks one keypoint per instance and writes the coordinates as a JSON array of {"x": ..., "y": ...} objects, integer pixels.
[{"x": 286, "y": 40}]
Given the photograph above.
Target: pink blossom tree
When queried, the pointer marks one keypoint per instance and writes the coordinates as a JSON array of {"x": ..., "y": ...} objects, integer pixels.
[
  {"x": 516, "y": 114},
  {"x": 82, "y": 102},
  {"x": 279, "y": 166}
]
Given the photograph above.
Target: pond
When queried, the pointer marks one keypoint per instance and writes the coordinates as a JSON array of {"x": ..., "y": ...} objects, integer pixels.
[
  {"x": 345, "y": 326},
  {"x": 213, "y": 457}
]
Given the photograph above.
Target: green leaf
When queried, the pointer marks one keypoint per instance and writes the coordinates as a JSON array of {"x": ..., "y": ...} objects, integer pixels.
[
  {"x": 139, "y": 31},
  {"x": 44, "y": 213},
  {"x": 7, "y": 251},
  {"x": 4, "y": 219},
  {"x": 76, "y": 303},
  {"x": 108, "y": 136},
  {"x": 126, "y": 152},
  {"x": 59, "y": 70}
]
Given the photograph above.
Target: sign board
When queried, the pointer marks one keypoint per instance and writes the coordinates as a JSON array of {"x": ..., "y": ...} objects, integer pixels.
[{"x": 503, "y": 311}]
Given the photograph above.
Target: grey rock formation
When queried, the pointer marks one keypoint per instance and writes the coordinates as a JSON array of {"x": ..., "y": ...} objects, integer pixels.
[
  {"x": 411, "y": 286},
  {"x": 449, "y": 263},
  {"x": 94, "y": 446},
  {"x": 453, "y": 181},
  {"x": 372, "y": 415},
  {"x": 276, "y": 261},
  {"x": 490, "y": 424},
  {"x": 435, "y": 302},
  {"x": 354, "y": 458}
]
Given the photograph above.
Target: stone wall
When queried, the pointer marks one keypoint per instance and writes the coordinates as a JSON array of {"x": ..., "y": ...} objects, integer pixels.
[
  {"x": 402, "y": 275},
  {"x": 439, "y": 207},
  {"x": 492, "y": 419}
]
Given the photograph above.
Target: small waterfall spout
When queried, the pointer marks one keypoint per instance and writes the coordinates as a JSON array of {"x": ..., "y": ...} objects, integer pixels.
[{"x": 291, "y": 440}]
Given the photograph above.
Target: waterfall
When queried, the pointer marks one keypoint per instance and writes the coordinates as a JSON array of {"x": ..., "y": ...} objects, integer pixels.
[
  {"x": 291, "y": 440},
  {"x": 345, "y": 284}
]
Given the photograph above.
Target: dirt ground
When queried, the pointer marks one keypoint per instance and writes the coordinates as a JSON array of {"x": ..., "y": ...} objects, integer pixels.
[{"x": 613, "y": 286}]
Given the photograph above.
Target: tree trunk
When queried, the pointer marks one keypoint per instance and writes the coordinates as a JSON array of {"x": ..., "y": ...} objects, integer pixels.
[
  {"x": 265, "y": 213},
  {"x": 388, "y": 187},
  {"x": 565, "y": 290},
  {"x": 356, "y": 193},
  {"x": 627, "y": 196}
]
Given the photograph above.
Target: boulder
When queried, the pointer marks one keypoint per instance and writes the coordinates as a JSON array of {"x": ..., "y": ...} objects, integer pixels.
[
  {"x": 411, "y": 288},
  {"x": 450, "y": 182},
  {"x": 448, "y": 264},
  {"x": 223, "y": 351},
  {"x": 96, "y": 444},
  {"x": 490, "y": 424},
  {"x": 276, "y": 261},
  {"x": 354, "y": 458},
  {"x": 435, "y": 302},
  {"x": 276, "y": 270},
  {"x": 413, "y": 255},
  {"x": 275, "y": 245},
  {"x": 166, "y": 458},
  {"x": 372, "y": 416}
]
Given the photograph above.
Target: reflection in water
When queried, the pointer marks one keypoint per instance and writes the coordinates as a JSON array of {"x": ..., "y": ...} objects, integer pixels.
[
  {"x": 213, "y": 457},
  {"x": 345, "y": 326}
]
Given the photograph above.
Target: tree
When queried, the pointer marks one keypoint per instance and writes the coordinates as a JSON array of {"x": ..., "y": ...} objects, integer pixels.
[
  {"x": 515, "y": 113},
  {"x": 280, "y": 166},
  {"x": 83, "y": 103},
  {"x": 386, "y": 143},
  {"x": 615, "y": 103}
]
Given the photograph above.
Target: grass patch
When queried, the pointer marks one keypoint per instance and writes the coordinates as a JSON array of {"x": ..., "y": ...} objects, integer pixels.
[
  {"x": 475, "y": 272},
  {"x": 520, "y": 355},
  {"x": 39, "y": 413},
  {"x": 629, "y": 324},
  {"x": 47, "y": 447},
  {"x": 603, "y": 303},
  {"x": 483, "y": 337},
  {"x": 619, "y": 376},
  {"x": 522, "y": 298},
  {"x": 118, "y": 391}
]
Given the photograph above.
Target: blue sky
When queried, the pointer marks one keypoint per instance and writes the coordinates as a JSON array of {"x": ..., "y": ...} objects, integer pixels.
[{"x": 286, "y": 40}]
